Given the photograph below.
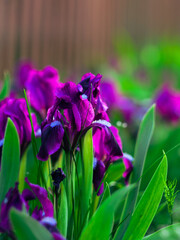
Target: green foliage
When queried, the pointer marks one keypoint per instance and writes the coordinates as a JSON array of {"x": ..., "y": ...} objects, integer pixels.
[
  {"x": 104, "y": 216},
  {"x": 168, "y": 233},
  {"x": 87, "y": 173},
  {"x": 142, "y": 144},
  {"x": 148, "y": 204},
  {"x": 10, "y": 159},
  {"x": 27, "y": 228},
  {"x": 62, "y": 220},
  {"x": 6, "y": 87}
]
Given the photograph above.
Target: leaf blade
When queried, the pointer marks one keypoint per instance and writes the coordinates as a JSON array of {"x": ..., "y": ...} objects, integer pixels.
[
  {"x": 148, "y": 204},
  {"x": 10, "y": 159}
]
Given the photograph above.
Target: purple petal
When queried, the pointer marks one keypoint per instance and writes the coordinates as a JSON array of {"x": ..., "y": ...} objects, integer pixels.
[
  {"x": 52, "y": 135},
  {"x": 12, "y": 199},
  {"x": 42, "y": 195},
  {"x": 168, "y": 104},
  {"x": 98, "y": 174},
  {"x": 127, "y": 159}
]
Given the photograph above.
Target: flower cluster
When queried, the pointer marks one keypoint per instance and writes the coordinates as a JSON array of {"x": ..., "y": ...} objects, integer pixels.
[
  {"x": 44, "y": 214},
  {"x": 77, "y": 108}
]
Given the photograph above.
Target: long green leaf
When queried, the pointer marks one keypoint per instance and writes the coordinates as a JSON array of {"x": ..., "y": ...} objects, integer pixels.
[
  {"x": 148, "y": 204},
  {"x": 10, "y": 159},
  {"x": 101, "y": 223},
  {"x": 142, "y": 144},
  {"x": 168, "y": 233},
  {"x": 6, "y": 87},
  {"x": 87, "y": 170},
  {"x": 63, "y": 213},
  {"x": 27, "y": 228},
  {"x": 115, "y": 172}
]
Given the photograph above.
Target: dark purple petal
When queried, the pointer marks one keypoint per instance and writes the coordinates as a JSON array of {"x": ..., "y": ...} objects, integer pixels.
[
  {"x": 16, "y": 109},
  {"x": 98, "y": 174},
  {"x": 51, "y": 138},
  {"x": 57, "y": 177},
  {"x": 38, "y": 213},
  {"x": 50, "y": 224},
  {"x": 42, "y": 195},
  {"x": 12, "y": 199},
  {"x": 127, "y": 159},
  {"x": 106, "y": 142}
]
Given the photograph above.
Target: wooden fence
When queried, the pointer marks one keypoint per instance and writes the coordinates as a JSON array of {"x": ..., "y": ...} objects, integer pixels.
[{"x": 72, "y": 34}]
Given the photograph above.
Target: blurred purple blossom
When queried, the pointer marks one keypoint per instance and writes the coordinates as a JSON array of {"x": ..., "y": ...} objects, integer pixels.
[
  {"x": 168, "y": 103},
  {"x": 16, "y": 109},
  {"x": 19, "y": 201},
  {"x": 39, "y": 84}
]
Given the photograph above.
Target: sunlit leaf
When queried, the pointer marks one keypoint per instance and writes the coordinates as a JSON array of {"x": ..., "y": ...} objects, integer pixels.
[{"x": 10, "y": 159}]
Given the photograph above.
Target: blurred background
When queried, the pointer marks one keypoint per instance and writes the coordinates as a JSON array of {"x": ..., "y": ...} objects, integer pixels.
[
  {"x": 133, "y": 43},
  {"x": 77, "y": 35}
]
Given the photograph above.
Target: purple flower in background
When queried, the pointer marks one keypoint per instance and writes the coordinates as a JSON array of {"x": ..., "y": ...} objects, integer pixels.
[
  {"x": 116, "y": 101},
  {"x": 22, "y": 72},
  {"x": 16, "y": 109},
  {"x": 39, "y": 84},
  {"x": 168, "y": 103},
  {"x": 127, "y": 159}
]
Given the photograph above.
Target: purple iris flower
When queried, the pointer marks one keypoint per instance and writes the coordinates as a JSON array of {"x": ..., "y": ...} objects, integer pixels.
[
  {"x": 16, "y": 109},
  {"x": 127, "y": 159},
  {"x": 51, "y": 138},
  {"x": 168, "y": 103},
  {"x": 107, "y": 148},
  {"x": 78, "y": 108},
  {"x": 40, "y": 85},
  {"x": 19, "y": 201},
  {"x": 89, "y": 88},
  {"x": 42, "y": 195},
  {"x": 12, "y": 199},
  {"x": 78, "y": 114}
]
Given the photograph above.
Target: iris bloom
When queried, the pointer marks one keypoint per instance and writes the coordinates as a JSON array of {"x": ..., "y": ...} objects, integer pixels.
[
  {"x": 78, "y": 108},
  {"x": 44, "y": 214},
  {"x": 16, "y": 109},
  {"x": 39, "y": 84},
  {"x": 168, "y": 103}
]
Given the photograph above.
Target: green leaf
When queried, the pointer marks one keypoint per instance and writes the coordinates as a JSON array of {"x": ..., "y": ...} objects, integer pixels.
[
  {"x": 63, "y": 213},
  {"x": 22, "y": 172},
  {"x": 27, "y": 228},
  {"x": 6, "y": 87},
  {"x": 87, "y": 172},
  {"x": 104, "y": 217},
  {"x": 148, "y": 204},
  {"x": 171, "y": 232},
  {"x": 10, "y": 159},
  {"x": 115, "y": 172},
  {"x": 106, "y": 193},
  {"x": 142, "y": 144},
  {"x": 33, "y": 138}
]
